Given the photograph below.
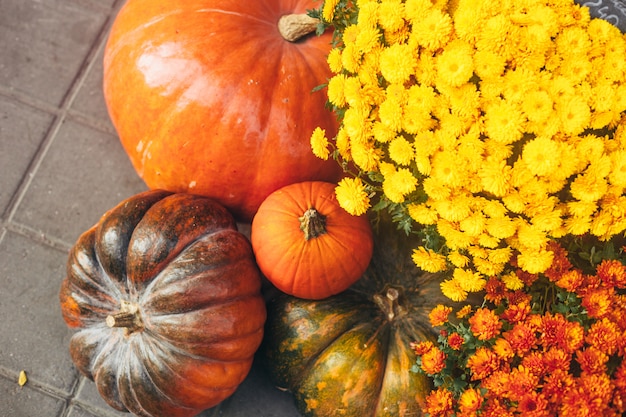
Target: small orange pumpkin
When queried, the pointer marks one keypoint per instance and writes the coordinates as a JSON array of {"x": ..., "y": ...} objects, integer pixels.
[{"x": 306, "y": 244}]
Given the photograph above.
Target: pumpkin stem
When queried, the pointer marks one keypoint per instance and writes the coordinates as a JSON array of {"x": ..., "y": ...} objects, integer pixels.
[
  {"x": 389, "y": 302},
  {"x": 312, "y": 223},
  {"x": 292, "y": 27},
  {"x": 128, "y": 318}
]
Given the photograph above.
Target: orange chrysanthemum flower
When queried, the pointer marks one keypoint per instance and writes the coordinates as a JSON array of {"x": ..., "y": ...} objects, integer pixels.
[
  {"x": 521, "y": 381},
  {"x": 521, "y": 337},
  {"x": 433, "y": 361},
  {"x": 590, "y": 396},
  {"x": 516, "y": 312},
  {"x": 612, "y": 273},
  {"x": 556, "y": 359},
  {"x": 482, "y": 363},
  {"x": 604, "y": 335},
  {"x": 495, "y": 290},
  {"x": 592, "y": 360},
  {"x": 570, "y": 280},
  {"x": 497, "y": 383},
  {"x": 439, "y": 403},
  {"x": 420, "y": 348},
  {"x": 455, "y": 341},
  {"x": 533, "y": 404},
  {"x": 574, "y": 335},
  {"x": 556, "y": 383},
  {"x": 439, "y": 315},
  {"x": 553, "y": 330},
  {"x": 597, "y": 302},
  {"x": 560, "y": 262},
  {"x": 470, "y": 401},
  {"x": 494, "y": 407},
  {"x": 464, "y": 311},
  {"x": 485, "y": 324},
  {"x": 503, "y": 349},
  {"x": 534, "y": 362}
]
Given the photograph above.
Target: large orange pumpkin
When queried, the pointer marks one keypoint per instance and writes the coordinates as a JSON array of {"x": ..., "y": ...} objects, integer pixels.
[{"x": 209, "y": 98}]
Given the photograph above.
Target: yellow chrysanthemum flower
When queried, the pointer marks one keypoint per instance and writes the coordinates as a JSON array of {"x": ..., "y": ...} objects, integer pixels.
[
  {"x": 455, "y": 65},
  {"x": 468, "y": 280},
  {"x": 428, "y": 260},
  {"x": 336, "y": 90},
  {"x": 367, "y": 39},
  {"x": 342, "y": 141},
  {"x": 500, "y": 255},
  {"x": 572, "y": 41},
  {"x": 457, "y": 259},
  {"x": 535, "y": 261},
  {"x": 474, "y": 224},
  {"x": 401, "y": 151},
  {"x": 451, "y": 289},
  {"x": 618, "y": 168},
  {"x": 574, "y": 115},
  {"x": 328, "y": 9},
  {"x": 455, "y": 239},
  {"x": 495, "y": 176},
  {"x": 512, "y": 281},
  {"x": 334, "y": 60},
  {"x": 391, "y": 15},
  {"x": 352, "y": 196},
  {"x": 447, "y": 169},
  {"x": 390, "y": 114},
  {"x": 531, "y": 237},
  {"x": 504, "y": 122},
  {"x": 368, "y": 14},
  {"x": 319, "y": 143},
  {"x": 486, "y": 267},
  {"x": 432, "y": 29},
  {"x": 541, "y": 155},
  {"x": 422, "y": 214},
  {"x": 586, "y": 187},
  {"x": 537, "y": 105},
  {"x": 397, "y": 63},
  {"x": 501, "y": 227},
  {"x": 415, "y": 9},
  {"x": 365, "y": 155},
  {"x": 398, "y": 183},
  {"x": 488, "y": 64}
]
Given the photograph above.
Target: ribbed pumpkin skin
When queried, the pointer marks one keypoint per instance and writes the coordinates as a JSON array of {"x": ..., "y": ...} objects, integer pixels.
[
  {"x": 344, "y": 356},
  {"x": 181, "y": 262},
  {"x": 208, "y": 98},
  {"x": 321, "y": 266}
]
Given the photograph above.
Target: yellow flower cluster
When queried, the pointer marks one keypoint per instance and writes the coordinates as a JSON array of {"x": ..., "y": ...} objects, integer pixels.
[{"x": 502, "y": 124}]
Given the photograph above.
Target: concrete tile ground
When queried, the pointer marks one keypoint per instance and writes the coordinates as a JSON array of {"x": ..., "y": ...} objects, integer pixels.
[{"x": 61, "y": 168}]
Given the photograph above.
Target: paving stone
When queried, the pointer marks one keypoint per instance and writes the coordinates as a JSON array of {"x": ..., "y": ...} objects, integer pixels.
[
  {"x": 34, "y": 335},
  {"x": 45, "y": 43},
  {"x": 16, "y": 401},
  {"x": 90, "y": 99},
  {"x": 257, "y": 396},
  {"x": 84, "y": 174},
  {"x": 22, "y": 129}
]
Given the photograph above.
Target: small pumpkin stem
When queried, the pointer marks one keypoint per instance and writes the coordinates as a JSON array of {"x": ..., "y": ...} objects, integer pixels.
[
  {"x": 312, "y": 223},
  {"x": 389, "y": 303},
  {"x": 128, "y": 318},
  {"x": 292, "y": 27}
]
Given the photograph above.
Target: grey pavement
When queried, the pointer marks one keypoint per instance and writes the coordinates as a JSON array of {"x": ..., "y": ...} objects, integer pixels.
[{"x": 61, "y": 168}]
